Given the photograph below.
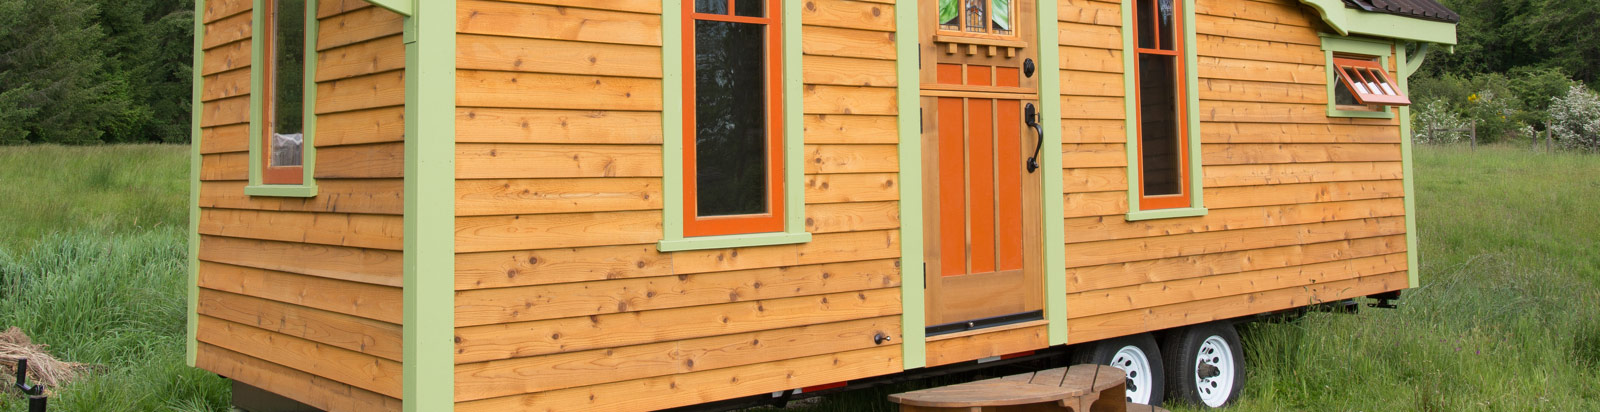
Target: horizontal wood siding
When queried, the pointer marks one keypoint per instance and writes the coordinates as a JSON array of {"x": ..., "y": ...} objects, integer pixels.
[
  {"x": 1303, "y": 208},
  {"x": 564, "y": 302},
  {"x": 302, "y": 297}
]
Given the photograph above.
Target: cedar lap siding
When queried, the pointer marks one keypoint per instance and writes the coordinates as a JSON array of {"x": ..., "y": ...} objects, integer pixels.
[
  {"x": 563, "y": 300},
  {"x": 302, "y": 296}
]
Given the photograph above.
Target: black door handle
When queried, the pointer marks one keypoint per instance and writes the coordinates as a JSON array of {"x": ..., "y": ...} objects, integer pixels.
[{"x": 1030, "y": 115}]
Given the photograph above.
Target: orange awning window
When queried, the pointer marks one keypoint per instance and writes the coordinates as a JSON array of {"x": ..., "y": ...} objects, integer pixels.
[{"x": 1369, "y": 82}]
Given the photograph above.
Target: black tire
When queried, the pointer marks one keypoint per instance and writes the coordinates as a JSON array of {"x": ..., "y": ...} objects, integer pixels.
[
  {"x": 1183, "y": 352},
  {"x": 1105, "y": 351}
]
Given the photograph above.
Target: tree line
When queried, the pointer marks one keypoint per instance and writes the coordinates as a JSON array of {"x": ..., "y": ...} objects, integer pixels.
[{"x": 118, "y": 71}]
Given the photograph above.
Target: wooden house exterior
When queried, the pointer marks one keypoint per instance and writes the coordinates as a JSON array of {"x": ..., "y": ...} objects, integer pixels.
[{"x": 494, "y": 202}]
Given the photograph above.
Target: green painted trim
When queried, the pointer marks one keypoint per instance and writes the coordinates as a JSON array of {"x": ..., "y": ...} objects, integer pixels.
[
  {"x": 282, "y": 190},
  {"x": 308, "y": 186},
  {"x": 1191, "y": 61},
  {"x": 913, "y": 315},
  {"x": 404, "y": 7},
  {"x": 429, "y": 260},
  {"x": 1413, "y": 62},
  {"x": 1413, "y": 254},
  {"x": 1347, "y": 21},
  {"x": 192, "y": 323},
  {"x": 1166, "y": 213},
  {"x": 733, "y": 241},
  {"x": 1054, "y": 237},
  {"x": 794, "y": 130},
  {"x": 1334, "y": 43}
]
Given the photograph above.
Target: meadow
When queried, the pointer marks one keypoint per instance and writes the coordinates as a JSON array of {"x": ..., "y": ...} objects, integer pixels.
[{"x": 1508, "y": 317}]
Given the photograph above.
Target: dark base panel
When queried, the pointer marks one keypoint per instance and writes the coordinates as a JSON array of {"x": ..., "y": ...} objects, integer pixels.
[{"x": 253, "y": 399}]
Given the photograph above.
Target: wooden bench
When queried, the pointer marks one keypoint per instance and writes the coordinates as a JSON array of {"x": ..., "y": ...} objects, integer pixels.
[{"x": 1080, "y": 388}]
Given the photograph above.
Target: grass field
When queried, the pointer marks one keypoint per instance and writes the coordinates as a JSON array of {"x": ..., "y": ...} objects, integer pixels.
[{"x": 1508, "y": 318}]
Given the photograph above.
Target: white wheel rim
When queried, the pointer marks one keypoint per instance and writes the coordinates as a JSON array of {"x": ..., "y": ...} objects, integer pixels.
[
  {"x": 1216, "y": 353},
  {"x": 1137, "y": 365}
]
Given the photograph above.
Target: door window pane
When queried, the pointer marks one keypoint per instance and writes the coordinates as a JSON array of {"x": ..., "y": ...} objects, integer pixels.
[
  {"x": 288, "y": 83},
  {"x": 731, "y": 118},
  {"x": 1158, "y": 125},
  {"x": 976, "y": 11},
  {"x": 1002, "y": 16},
  {"x": 950, "y": 14}
]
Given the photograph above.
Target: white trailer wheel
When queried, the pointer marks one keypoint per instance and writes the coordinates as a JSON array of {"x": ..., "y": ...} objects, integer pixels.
[
  {"x": 1137, "y": 355},
  {"x": 1136, "y": 364},
  {"x": 1209, "y": 362}
]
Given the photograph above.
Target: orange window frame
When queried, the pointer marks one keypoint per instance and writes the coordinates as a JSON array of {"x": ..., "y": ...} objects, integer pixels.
[
  {"x": 1368, "y": 72},
  {"x": 273, "y": 175},
  {"x": 1182, "y": 198},
  {"x": 695, "y": 225}
]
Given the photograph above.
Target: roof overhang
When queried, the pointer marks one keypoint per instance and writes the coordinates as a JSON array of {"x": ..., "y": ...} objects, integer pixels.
[{"x": 1348, "y": 21}]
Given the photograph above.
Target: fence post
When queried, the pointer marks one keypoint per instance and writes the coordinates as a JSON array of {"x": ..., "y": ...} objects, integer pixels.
[
  {"x": 1549, "y": 138},
  {"x": 1474, "y": 135}
]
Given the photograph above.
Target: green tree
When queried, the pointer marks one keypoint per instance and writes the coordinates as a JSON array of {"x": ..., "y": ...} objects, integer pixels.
[{"x": 53, "y": 75}]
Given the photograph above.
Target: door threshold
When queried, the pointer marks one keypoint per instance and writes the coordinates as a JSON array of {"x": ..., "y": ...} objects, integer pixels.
[{"x": 986, "y": 325}]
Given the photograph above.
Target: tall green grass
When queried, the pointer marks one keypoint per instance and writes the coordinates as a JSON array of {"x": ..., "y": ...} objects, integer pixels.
[
  {"x": 92, "y": 263},
  {"x": 47, "y": 189}
]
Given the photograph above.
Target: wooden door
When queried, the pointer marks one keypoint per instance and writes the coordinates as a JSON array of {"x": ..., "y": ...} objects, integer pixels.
[{"x": 981, "y": 203}]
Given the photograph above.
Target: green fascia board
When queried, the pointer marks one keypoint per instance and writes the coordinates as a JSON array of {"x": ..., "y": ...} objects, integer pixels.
[
  {"x": 672, "y": 138},
  {"x": 192, "y": 325},
  {"x": 1054, "y": 234},
  {"x": 913, "y": 317},
  {"x": 429, "y": 246},
  {"x": 1197, "y": 196},
  {"x": 1348, "y": 21},
  {"x": 403, "y": 7},
  {"x": 308, "y": 186},
  {"x": 1334, "y": 43},
  {"x": 1409, "y": 177}
]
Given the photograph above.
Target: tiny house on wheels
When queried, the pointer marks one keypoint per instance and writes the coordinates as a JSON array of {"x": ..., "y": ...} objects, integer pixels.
[{"x": 610, "y": 205}]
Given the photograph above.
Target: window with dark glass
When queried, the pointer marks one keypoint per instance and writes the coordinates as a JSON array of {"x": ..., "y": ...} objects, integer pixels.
[
  {"x": 733, "y": 143},
  {"x": 283, "y": 137},
  {"x": 1162, "y": 105}
]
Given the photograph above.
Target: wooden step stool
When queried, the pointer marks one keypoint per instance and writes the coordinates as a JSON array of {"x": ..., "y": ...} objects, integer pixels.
[{"x": 1080, "y": 388}]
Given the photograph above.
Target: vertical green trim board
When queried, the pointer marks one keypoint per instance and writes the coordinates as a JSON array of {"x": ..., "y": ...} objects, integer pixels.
[
  {"x": 191, "y": 345},
  {"x": 308, "y": 187},
  {"x": 1333, "y": 43},
  {"x": 794, "y": 200},
  {"x": 913, "y": 317},
  {"x": 1409, "y": 177},
  {"x": 1053, "y": 214},
  {"x": 1130, "y": 102},
  {"x": 429, "y": 329}
]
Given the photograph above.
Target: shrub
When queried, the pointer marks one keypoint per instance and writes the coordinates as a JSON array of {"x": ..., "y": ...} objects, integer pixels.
[
  {"x": 1575, "y": 119},
  {"x": 1434, "y": 122}
]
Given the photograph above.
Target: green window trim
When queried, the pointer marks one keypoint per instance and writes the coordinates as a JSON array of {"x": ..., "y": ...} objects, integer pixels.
[
  {"x": 1354, "y": 45},
  {"x": 794, "y": 200},
  {"x": 1130, "y": 107},
  {"x": 308, "y": 185}
]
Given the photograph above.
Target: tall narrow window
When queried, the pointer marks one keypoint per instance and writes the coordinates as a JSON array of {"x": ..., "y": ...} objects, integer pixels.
[
  {"x": 733, "y": 124},
  {"x": 283, "y": 138},
  {"x": 1162, "y": 112}
]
